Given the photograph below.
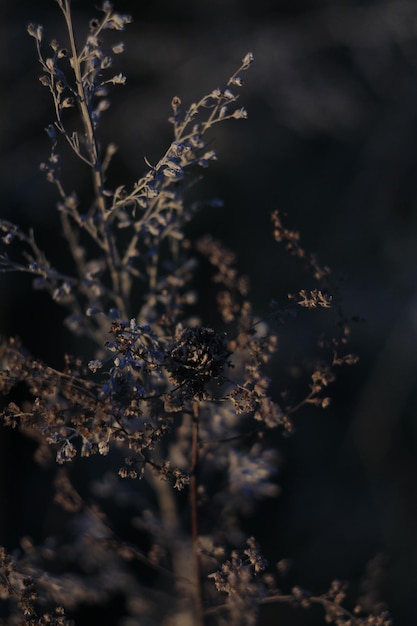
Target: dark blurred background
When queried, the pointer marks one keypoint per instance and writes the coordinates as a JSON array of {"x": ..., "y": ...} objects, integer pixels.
[{"x": 331, "y": 140}]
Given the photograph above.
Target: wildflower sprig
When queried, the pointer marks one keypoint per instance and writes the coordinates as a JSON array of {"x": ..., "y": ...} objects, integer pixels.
[
  {"x": 162, "y": 397},
  {"x": 155, "y": 210}
]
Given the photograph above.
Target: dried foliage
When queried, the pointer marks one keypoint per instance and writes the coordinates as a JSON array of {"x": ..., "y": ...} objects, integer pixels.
[{"x": 172, "y": 403}]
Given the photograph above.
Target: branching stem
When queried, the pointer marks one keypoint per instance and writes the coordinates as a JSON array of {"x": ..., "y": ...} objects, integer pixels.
[{"x": 95, "y": 163}]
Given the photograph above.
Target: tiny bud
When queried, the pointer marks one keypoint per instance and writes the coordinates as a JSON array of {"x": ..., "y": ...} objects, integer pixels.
[
  {"x": 240, "y": 114},
  {"x": 67, "y": 103},
  {"x": 94, "y": 23},
  {"x": 106, "y": 63},
  {"x": 237, "y": 81},
  {"x": 36, "y": 31},
  {"x": 119, "y": 79},
  {"x": 175, "y": 103},
  {"x": 50, "y": 65},
  {"x": 51, "y": 132},
  {"x": 118, "y": 48},
  {"x": 92, "y": 310},
  {"x": 247, "y": 60}
]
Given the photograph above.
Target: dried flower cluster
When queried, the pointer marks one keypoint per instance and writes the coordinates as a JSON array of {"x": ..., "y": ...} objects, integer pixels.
[{"x": 172, "y": 403}]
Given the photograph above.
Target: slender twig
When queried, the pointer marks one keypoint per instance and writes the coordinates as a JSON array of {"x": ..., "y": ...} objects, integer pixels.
[{"x": 332, "y": 607}]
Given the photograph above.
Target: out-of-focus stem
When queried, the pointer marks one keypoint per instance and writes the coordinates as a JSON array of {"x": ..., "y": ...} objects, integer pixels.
[{"x": 194, "y": 519}]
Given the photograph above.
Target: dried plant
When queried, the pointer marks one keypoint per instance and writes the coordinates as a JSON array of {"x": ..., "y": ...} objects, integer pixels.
[{"x": 179, "y": 408}]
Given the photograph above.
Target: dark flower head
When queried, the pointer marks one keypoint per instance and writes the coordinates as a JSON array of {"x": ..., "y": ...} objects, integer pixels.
[{"x": 196, "y": 357}]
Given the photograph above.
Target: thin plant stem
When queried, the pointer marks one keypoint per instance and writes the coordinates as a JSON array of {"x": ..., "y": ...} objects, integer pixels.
[
  {"x": 194, "y": 518},
  {"x": 95, "y": 163}
]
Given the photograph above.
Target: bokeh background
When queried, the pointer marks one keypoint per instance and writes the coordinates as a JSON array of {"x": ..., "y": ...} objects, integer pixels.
[{"x": 331, "y": 140}]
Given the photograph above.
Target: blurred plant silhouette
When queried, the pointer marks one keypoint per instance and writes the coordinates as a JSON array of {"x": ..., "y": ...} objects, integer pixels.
[{"x": 181, "y": 410}]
